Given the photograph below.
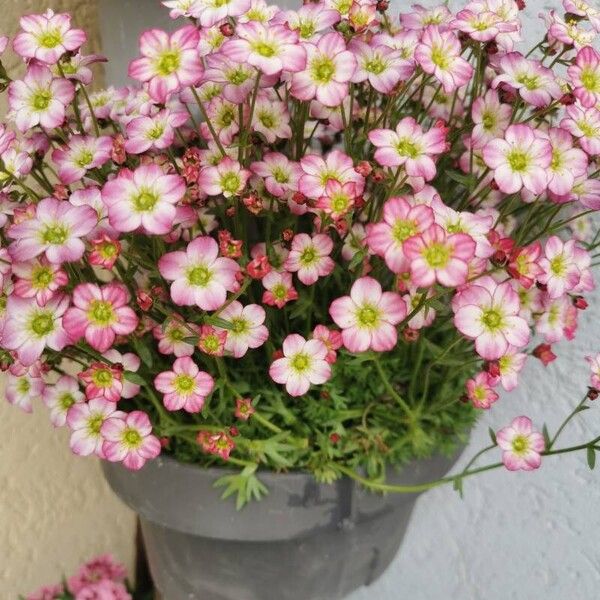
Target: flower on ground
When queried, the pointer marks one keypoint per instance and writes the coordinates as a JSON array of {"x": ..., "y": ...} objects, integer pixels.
[
  {"x": 85, "y": 420},
  {"x": 55, "y": 230},
  {"x": 169, "y": 62},
  {"x": 99, "y": 314},
  {"x": 185, "y": 386},
  {"x": 368, "y": 316},
  {"x": 60, "y": 396},
  {"x": 519, "y": 160},
  {"x": 246, "y": 327},
  {"x": 144, "y": 197},
  {"x": 436, "y": 256},
  {"x": 303, "y": 363},
  {"x": 408, "y": 145},
  {"x": 521, "y": 444},
  {"x": 488, "y": 313},
  {"x": 200, "y": 277},
  {"x": 309, "y": 257},
  {"x": 480, "y": 390}
]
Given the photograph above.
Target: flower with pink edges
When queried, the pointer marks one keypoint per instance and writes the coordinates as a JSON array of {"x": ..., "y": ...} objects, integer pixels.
[
  {"x": 338, "y": 199},
  {"x": 127, "y": 362},
  {"x": 228, "y": 178},
  {"x": 99, "y": 314},
  {"x": 48, "y": 592},
  {"x": 271, "y": 119},
  {"x": 47, "y": 37},
  {"x": 172, "y": 337},
  {"x": 104, "y": 589},
  {"x": 7, "y": 137},
  {"x": 128, "y": 439},
  {"x": 212, "y": 340},
  {"x": 594, "y": 362},
  {"x": 519, "y": 160},
  {"x": 309, "y": 257},
  {"x": 280, "y": 175},
  {"x": 438, "y": 54},
  {"x": 103, "y": 380},
  {"x": 319, "y": 171},
  {"x": 567, "y": 164},
  {"x": 39, "y": 99},
  {"x": 535, "y": 83},
  {"x": 368, "y": 316},
  {"x": 584, "y": 124},
  {"x": 521, "y": 445},
  {"x": 145, "y": 198},
  {"x": 30, "y": 328},
  {"x": 270, "y": 48},
  {"x": 585, "y": 76},
  {"x": 332, "y": 340},
  {"x": 85, "y": 420},
  {"x": 509, "y": 367},
  {"x": 303, "y": 363},
  {"x": 105, "y": 251},
  {"x": 55, "y": 230},
  {"x": 481, "y": 26},
  {"x": 247, "y": 329},
  {"x": 560, "y": 269},
  {"x": 401, "y": 220},
  {"x": 60, "y": 396},
  {"x": 24, "y": 385},
  {"x": 435, "y": 255},
  {"x": 209, "y": 12},
  {"x": 488, "y": 313},
  {"x": 422, "y": 17},
  {"x": 198, "y": 275},
  {"x": 480, "y": 390},
  {"x": 155, "y": 132},
  {"x": 243, "y": 409},
  {"x": 309, "y": 20},
  {"x": 408, "y": 145},
  {"x": 82, "y": 154},
  {"x": 329, "y": 68},
  {"x": 169, "y": 62},
  {"x": 38, "y": 279},
  {"x": 279, "y": 289},
  {"x": 185, "y": 386},
  {"x": 100, "y": 568},
  {"x": 490, "y": 117},
  {"x": 523, "y": 264}
]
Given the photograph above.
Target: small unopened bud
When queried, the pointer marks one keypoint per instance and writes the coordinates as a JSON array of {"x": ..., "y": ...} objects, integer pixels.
[
  {"x": 334, "y": 438},
  {"x": 234, "y": 431},
  {"x": 593, "y": 393},
  {"x": 499, "y": 258},
  {"x": 287, "y": 235},
  {"x": 568, "y": 99},
  {"x": 521, "y": 4},
  {"x": 378, "y": 176},
  {"x": 580, "y": 302},
  {"x": 383, "y": 5},
  {"x": 410, "y": 335},
  {"x": 491, "y": 48},
  {"x": 544, "y": 353},
  {"x": 493, "y": 368},
  {"x": 299, "y": 198},
  {"x": 364, "y": 168},
  {"x": 227, "y": 29},
  {"x": 144, "y": 300},
  {"x": 541, "y": 286}
]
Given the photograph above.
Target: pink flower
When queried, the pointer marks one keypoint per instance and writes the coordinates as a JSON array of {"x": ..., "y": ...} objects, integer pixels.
[
  {"x": 199, "y": 276},
  {"x": 210, "y": 13},
  {"x": 279, "y": 289},
  {"x": 144, "y": 197},
  {"x": 56, "y": 230},
  {"x": 303, "y": 363},
  {"x": 585, "y": 76},
  {"x": 338, "y": 199},
  {"x": 47, "y": 37},
  {"x": 523, "y": 264},
  {"x": 85, "y": 420},
  {"x": 104, "y": 590},
  {"x": 521, "y": 445},
  {"x": 594, "y": 362},
  {"x": 380, "y": 65},
  {"x": 270, "y": 48},
  {"x": 243, "y": 409},
  {"x": 331, "y": 338},
  {"x": 584, "y": 124},
  {"x": 400, "y": 222},
  {"x": 38, "y": 279},
  {"x": 185, "y": 387},
  {"x": 82, "y": 154},
  {"x": 438, "y": 54},
  {"x": 488, "y": 313},
  {"x": 519, "y": 160},
  {"x": 127, "y": 362},
  {"x": 490, "y": 117},
  {"x": 100, "y": 314},
  {"x": 169, "y": 62},
  {"x": 409, "y": 146},
  {"x": 436, "y": 256},
  {"x": 103, "y": 380},
  {"x": 24, "y": 385},
  {"x": 329, "y": 68},
  {"x": 128, "y": 439},
  {"x": 59, "y": 397},
  {"x": 172, "y": 337},
  {"x": 567, "y": 163},
  {"x": 7, "y": 137},
  {"x": 227, "y": 178},
  {"x": 212, "y": 341},
  {"x": 247, "y": 329},
  {"x": 309, "y": 257},
  {"x": 153, "y": 132},
  {"x": 39, "y": 99},
  {"x": 560, "y": 267},
  {"x": 310, "y": 19},
  {"x": 30, "y": 328},
  {"x": 319, "y": 171},
  {"x": 368, "y": 316},
  {"x": 271, "y": 119},
  {"x": 536, "y": 84},
  {"x": 48, "y": 592},
  {"x": 279, "y": 174},
  {"x": 509, "y": 367},
  {"x": 480, "y": 390},
  {"x": 482, "y": 26},
  {"x": 100, "y": 568},
  {"x": 105, "y": 251}
]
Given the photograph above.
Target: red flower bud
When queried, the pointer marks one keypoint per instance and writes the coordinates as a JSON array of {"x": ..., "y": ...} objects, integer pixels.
[
  {"x": 144, "y": 300},
  {"x": 580, "y": 302},
  {"x": 593, "y": 393},
  {"x": 227, "y": 29},
  {"x": 544, "y": 353},
  {"x": 234, "y": 431},
  {"x": 334, "y": 438},
  {"x": 493, "y": 368},
  {"x": 364, "y": 168},
  {"x": 567, "y": 99},
  {"x": 258, "y": 267},
  {"x": 521, "y": 4},
  {"x": 410, "y": 335}
]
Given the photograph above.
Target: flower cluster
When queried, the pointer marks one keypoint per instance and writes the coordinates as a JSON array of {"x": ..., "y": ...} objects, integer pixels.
[
  {"x": 304, "y": 237},
  {"x": 100, "y": 577}
]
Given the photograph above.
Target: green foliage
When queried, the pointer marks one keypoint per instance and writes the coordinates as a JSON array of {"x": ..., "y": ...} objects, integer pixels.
[{"x": 245, "y": 485}]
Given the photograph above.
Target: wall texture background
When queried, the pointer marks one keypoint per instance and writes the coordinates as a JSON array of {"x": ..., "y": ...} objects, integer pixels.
[
  {"x": 514, "y": 535},
  {"x": 55, "y": 509}
]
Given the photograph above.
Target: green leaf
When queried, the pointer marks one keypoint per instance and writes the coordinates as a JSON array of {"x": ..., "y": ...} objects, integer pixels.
[
  {"x": 245, "y": 484},
  {"x": 192, "y": 339},
  {"x": 458, "y": 486},
  {"x": 218, "y": 322},
  {"x": 591, "y": 457},
  {"x": 546, "y": 436},
  {"x": 466, "y": 180},
  {"x": 134, "y": 378},
  {"x": 143, "y": 351},
  {"x": 492, "y": 435}
]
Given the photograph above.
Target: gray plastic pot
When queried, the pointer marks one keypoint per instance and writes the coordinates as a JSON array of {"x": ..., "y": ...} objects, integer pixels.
[{"x": 304, "y": 541}]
